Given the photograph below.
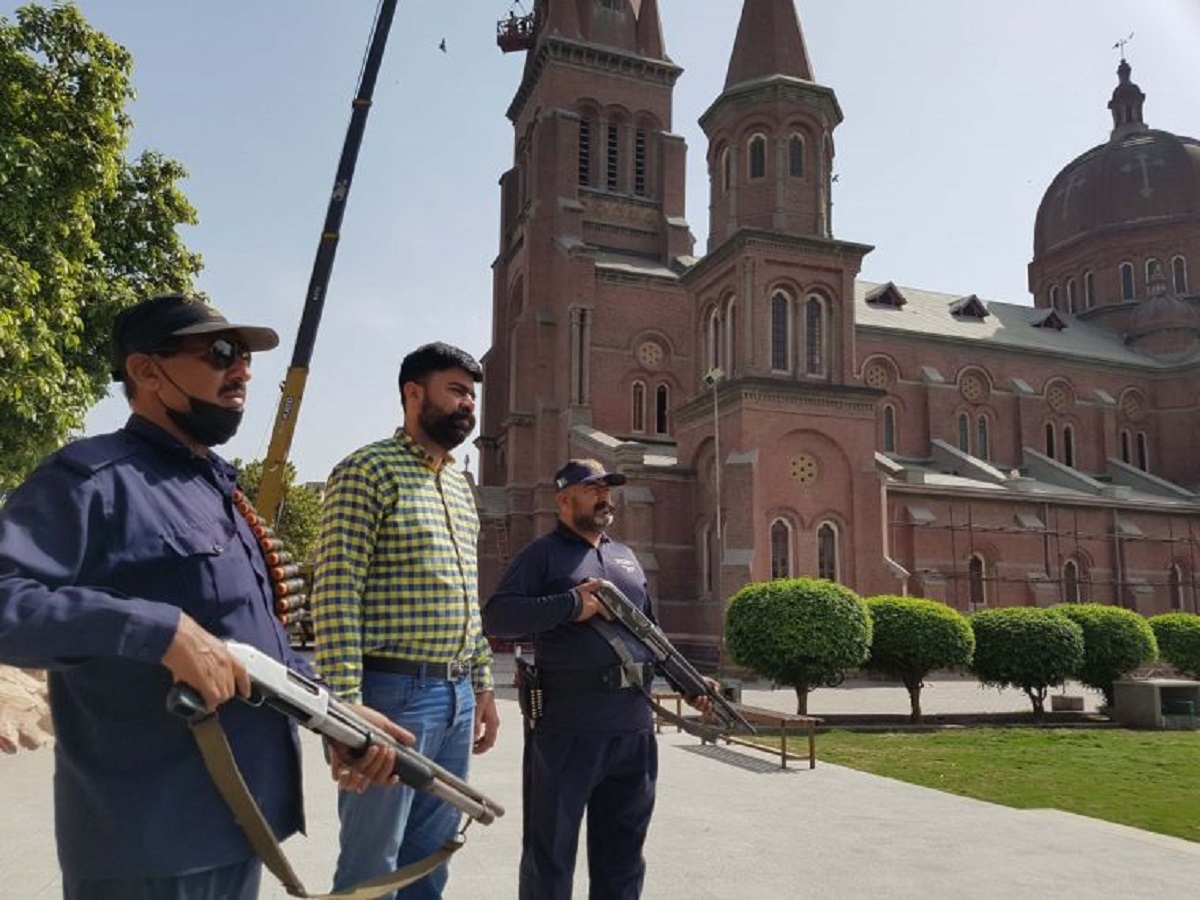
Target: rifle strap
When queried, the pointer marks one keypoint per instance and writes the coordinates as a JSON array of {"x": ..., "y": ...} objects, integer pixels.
[
  {"x": 218, "y": 759},
  {"x": 610, "y": 633}
]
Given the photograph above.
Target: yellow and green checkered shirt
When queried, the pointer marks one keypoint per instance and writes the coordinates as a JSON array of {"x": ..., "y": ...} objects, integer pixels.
[{"x": 396, "y": 571}]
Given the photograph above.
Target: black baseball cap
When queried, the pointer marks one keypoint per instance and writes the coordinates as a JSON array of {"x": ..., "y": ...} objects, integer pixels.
[
  {"x": 148, "y": 325},
  {"x": 585, "y": 471}
]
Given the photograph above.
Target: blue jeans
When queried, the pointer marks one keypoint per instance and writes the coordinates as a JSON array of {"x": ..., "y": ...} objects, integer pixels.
[{"x": 385, "y": 827}]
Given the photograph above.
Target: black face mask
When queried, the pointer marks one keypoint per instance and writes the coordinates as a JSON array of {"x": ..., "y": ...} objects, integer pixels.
[{"x": 209, "y": 424}]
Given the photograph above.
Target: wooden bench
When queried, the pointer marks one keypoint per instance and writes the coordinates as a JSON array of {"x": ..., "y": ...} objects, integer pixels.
[{"x": 771, "y": 721}]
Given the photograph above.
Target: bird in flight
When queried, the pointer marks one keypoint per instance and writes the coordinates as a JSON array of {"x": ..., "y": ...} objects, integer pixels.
[{"x": 442, "y": 45}]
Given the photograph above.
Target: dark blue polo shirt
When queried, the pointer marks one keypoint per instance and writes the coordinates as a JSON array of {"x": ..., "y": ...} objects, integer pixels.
[
  {"x": 99, "y": 551},
  {"x": 534, "y": 598}
]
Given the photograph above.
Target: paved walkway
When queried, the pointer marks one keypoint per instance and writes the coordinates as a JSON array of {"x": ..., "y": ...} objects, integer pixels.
[{"x": 730, "y": 823}]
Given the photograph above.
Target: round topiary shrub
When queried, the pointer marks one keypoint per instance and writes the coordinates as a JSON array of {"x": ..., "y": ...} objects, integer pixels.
[
  {"x": 1026, "y": 647},
  {"x": 796, "y": 631},
  {"x": 910, "y": 637},
  {"x": 1115, "y": 642},
  {"x": 1178, "y": 637}
]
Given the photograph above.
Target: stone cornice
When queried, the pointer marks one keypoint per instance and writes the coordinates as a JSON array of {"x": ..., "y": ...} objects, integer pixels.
[
  {"x": 593, "y": 56},
  {"x": 852, "y": 399},
  {"x": 749, "y": 238}
]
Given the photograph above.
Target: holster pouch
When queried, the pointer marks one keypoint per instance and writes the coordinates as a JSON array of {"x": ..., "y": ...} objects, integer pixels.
[{"x": 529, "y": 692}]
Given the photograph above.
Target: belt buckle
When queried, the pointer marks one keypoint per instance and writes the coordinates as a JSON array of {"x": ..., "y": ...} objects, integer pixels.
[{"x": 456, "y": 671}]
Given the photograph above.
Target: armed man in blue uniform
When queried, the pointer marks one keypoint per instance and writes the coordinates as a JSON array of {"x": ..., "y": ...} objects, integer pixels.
[
  {"x": 123, "y": 563},
  {"x": 589, "y": 738}
]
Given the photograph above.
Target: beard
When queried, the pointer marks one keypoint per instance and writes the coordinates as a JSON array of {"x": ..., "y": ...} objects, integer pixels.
[
  {"x": 598, "y": 518},
  {"x": 447, "y": 430}
]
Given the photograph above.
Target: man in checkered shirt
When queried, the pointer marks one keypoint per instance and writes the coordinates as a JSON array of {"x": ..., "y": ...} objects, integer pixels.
[{"x": 396, "y": 609}]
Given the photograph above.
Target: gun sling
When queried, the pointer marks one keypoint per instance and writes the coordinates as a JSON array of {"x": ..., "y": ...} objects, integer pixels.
[{"x": 218, "y": 759}]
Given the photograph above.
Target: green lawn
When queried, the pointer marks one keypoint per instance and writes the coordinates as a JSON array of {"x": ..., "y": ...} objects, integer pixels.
[{"x": 1148, "y": 780}]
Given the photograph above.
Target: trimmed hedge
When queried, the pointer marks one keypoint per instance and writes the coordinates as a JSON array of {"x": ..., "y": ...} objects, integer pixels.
[
  {"x": 1115, "y": 642},
  {"x": 796, "y": 631},
  {"x": 1178, "y": 637},
  {"x": 911, "y": 637},
  {"x": 1026, "y": 647}
]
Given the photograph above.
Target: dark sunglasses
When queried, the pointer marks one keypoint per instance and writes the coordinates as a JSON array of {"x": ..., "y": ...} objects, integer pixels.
[{"x": 221, "y": 353}]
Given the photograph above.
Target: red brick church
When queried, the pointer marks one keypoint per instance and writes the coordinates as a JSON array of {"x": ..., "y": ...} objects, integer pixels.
[{"x": 778, "y": 417}]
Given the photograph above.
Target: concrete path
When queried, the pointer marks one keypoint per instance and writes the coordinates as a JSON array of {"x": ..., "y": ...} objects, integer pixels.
[{"x": 730, "y": 824}]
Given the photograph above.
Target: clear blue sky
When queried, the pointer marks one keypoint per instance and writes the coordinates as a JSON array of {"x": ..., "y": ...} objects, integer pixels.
[{"x": 958, "y": 115}]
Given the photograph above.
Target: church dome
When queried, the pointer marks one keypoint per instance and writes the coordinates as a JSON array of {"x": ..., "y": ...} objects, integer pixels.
[{"x": 1140, "y": 175}]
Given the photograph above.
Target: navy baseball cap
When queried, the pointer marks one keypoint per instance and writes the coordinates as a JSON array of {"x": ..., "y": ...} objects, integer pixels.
[
  {"x": 585, "y": 471},
  {"x": 150, "y": 324}
]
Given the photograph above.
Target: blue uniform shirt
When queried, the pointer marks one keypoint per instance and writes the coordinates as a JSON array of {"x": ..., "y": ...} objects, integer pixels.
[
  {"x": 534, "y": 597},
  {"x": 99, "y": 551}
]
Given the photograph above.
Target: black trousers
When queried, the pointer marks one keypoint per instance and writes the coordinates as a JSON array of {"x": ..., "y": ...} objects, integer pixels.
[
  {"x": 236, "y": 882},
  {"x": 612, "y": 777}
]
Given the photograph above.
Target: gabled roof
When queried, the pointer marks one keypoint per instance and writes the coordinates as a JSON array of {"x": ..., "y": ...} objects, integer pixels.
[
  {"x": 927, "y": 314},
  {"x": 886, "y": 295},
  {"x": 1051, "y": 320},
  {"x": 969, "y": 307}
]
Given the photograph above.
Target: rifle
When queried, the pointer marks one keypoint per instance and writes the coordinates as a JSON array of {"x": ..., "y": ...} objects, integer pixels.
[
  {"x": 275, "y": 685},
  {"x": 673, "y": 663}
]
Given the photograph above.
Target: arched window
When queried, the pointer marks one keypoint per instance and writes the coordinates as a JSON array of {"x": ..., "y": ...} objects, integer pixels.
[
  {"x": 1072, "y": 297},
  {"x": 1070, "y": 582},
  {"x": 827, "y": 552},
  {"x": 1126, "y": 452},
  {"x": 976, "y": 582},
  {"x": 1055, "y": 299},
  {"x": 1143, "y": 452},
  {"x": 1089, "y": 290},
  {"x": 729, "y": 357},
  {"x": 964, "y": 433},
  {"x": 1068, "y": 445},
  {"x": 781, "y": 330},
  {"x": 613, "y": 161},
  {"x": 1127, "y": 281},
  {"x": 726, "y": 170},
  {"x": 889, "y": 429},
  {"x": 781, "y": 549},
  {"x": 716, "y": 339},
  {"x": 1152, "y": 269},
  {"x": 1175, "y": 586},
  {"x": 814, "y": 337},
  {"x": 585, "y": 152},
  {"x": 639, "y": 162},
  {"x": 1179, "y": 275},
  {"x": 662, "y": 402},
  {"x": 983, "y": 447},
  {"x": 1050, "y": 448},
  {"x": 796, "y": 156},
  {"x": 758, "y": 156},
  {"x": 639, "y": 406}
]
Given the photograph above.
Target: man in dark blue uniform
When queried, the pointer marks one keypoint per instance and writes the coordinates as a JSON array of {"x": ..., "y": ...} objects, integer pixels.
[
  {"x": 123, "y": 561},
  {"x": 592, "y": 747}
]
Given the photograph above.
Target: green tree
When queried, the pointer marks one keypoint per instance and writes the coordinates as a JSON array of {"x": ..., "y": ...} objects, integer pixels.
[
  {"x": 1115, "y": 642},
  {"x": 1178, "y": 637},
  {"x": 796, "y": 631},
  {"x": 301, "y": 517},
  {"x": 1026, "y": 647},
  {"x": 911, "y": 637},
  {"x": 83, "y": 232}
]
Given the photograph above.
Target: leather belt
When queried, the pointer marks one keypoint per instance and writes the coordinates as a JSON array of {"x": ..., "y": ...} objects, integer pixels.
[
  {"x": 606, "y": 679},
  {"x": 456, "y": 670}
]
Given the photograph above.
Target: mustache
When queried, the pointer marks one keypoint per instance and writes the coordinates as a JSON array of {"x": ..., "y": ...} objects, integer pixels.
[{"x": 603, "y": 507}]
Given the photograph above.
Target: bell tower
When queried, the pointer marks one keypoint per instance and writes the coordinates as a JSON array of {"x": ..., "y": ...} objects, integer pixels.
[{"x": 586, "y": 297}]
